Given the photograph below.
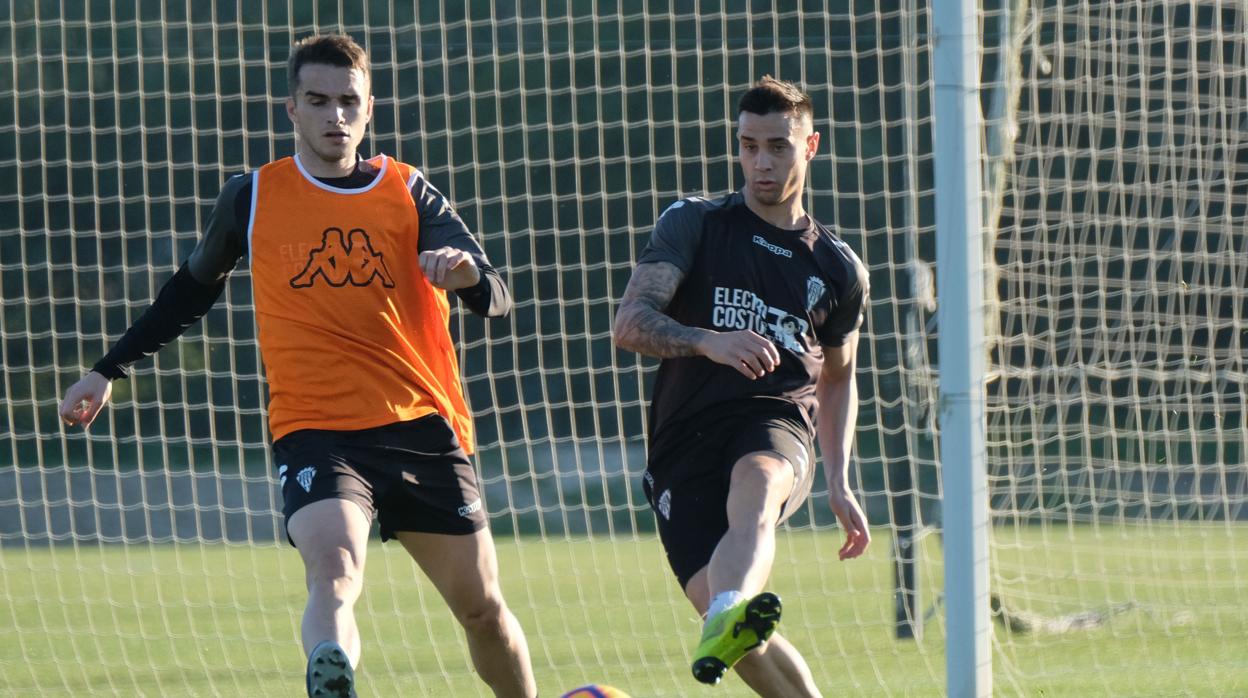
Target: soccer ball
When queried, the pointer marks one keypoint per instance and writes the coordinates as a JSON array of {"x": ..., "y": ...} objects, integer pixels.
[{"x": 595, "y": 690}]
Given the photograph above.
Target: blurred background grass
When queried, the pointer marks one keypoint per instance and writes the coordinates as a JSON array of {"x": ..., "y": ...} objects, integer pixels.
[{"x": 608, "y": 612}]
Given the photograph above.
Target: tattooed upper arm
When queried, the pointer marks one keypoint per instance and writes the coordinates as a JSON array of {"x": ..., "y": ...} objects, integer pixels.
[{"x": 653, "y": 285}]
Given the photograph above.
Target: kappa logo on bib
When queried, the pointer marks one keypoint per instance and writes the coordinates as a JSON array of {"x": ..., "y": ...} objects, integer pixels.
[{"x": 341, "y": 260}]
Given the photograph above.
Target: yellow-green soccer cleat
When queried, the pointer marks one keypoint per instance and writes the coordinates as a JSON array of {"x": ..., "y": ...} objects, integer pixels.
[
  {"x": 732, "y": 633},
  {"x": 329, "y": 672}
]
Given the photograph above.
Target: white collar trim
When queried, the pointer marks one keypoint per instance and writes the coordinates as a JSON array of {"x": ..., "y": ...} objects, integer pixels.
[{"x": 381, "y": 172}]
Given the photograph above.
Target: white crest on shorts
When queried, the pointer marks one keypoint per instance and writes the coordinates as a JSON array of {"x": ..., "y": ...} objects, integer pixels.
[
  {"x": 281, "y": 475},
  {"x": 305, "y": 478},
  {"x": 665, "y": 504}
]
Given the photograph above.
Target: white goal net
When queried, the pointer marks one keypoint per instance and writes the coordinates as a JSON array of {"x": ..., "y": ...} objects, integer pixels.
[
  {"x": 148, "y": 556},
  {"x": 1116, "y": 422}
]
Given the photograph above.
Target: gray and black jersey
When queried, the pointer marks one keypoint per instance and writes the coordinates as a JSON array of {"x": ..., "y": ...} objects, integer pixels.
[{"x": 802, "y": 289}]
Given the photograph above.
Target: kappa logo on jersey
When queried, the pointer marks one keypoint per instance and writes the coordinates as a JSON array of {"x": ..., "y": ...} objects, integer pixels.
[
  {"x": 774, "y": 249},
  {"x": 305, "y": 478},
  {"x": 343, "y": 259}
]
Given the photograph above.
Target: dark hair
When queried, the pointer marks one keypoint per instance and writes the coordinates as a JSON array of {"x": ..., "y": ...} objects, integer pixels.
[
  {"x": 338, "y": 50},
  {"x": 770, "y": 95}
]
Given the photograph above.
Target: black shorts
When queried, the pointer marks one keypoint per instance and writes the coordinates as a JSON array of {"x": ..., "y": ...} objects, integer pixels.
[
  {"x": 690, "y": 468},
  {"x": 413, "y": 476}
]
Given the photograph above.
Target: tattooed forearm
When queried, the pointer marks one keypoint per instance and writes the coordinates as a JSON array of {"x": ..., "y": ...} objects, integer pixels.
[
  {"x": 640, "y": 322},
  {"x": 647, "y": 331}
]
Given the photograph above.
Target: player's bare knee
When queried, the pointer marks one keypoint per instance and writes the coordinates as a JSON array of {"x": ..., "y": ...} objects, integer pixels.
[
  {"x": 759, "y": 487},
  {"x": 755, "y": 508},
  {"x": 486, "y": 617},
  {"x": 762, "y": 473},
  {"x": 334, "y": 570}
]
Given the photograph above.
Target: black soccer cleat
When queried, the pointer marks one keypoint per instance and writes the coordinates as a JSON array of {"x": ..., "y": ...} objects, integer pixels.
[
  {"x": 709, "y": 670},
  {"x": 329, "y": 672}
]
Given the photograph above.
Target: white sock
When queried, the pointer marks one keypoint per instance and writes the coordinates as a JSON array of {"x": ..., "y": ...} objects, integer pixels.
[{"x": 722, "y": 600}]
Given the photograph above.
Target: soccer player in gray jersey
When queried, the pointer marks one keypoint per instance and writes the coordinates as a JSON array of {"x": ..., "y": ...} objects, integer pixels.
[{"x": 754, "y": 308}]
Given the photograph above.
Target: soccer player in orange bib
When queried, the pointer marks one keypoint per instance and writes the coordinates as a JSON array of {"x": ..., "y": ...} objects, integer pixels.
[{"x": 351, "y": 259}]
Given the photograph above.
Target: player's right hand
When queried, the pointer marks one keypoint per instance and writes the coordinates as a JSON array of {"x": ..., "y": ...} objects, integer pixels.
[
  {"x": 84, "y": 399},
  {"x": 745, "y": 350}
]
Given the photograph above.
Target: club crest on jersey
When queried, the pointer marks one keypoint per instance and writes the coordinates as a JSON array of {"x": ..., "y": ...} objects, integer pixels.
[
  {"x": 814, "y": 291},
  {"x": 344, "y": 259}
]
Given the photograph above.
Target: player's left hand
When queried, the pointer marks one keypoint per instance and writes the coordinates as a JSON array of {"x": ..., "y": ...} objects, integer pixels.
[
  {"x": 449, "y": 268},
  {"x": 853, "y": 522},
  {"x": 84, "y": 400}
]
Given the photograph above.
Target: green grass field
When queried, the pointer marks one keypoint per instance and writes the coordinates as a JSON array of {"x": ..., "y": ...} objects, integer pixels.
[{"x": 191, "y": 620}]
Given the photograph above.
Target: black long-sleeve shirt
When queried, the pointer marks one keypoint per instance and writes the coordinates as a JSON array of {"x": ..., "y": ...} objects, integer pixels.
[{"x": 197, "y": 285}]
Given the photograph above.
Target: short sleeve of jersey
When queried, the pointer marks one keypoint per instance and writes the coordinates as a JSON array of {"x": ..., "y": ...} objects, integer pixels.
[
  {"x": 440, "y": 225},
  {"x": 224, "y": 239},
  {"x": 677, "y": 235},
  {"x": 849, "y": 304}
]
